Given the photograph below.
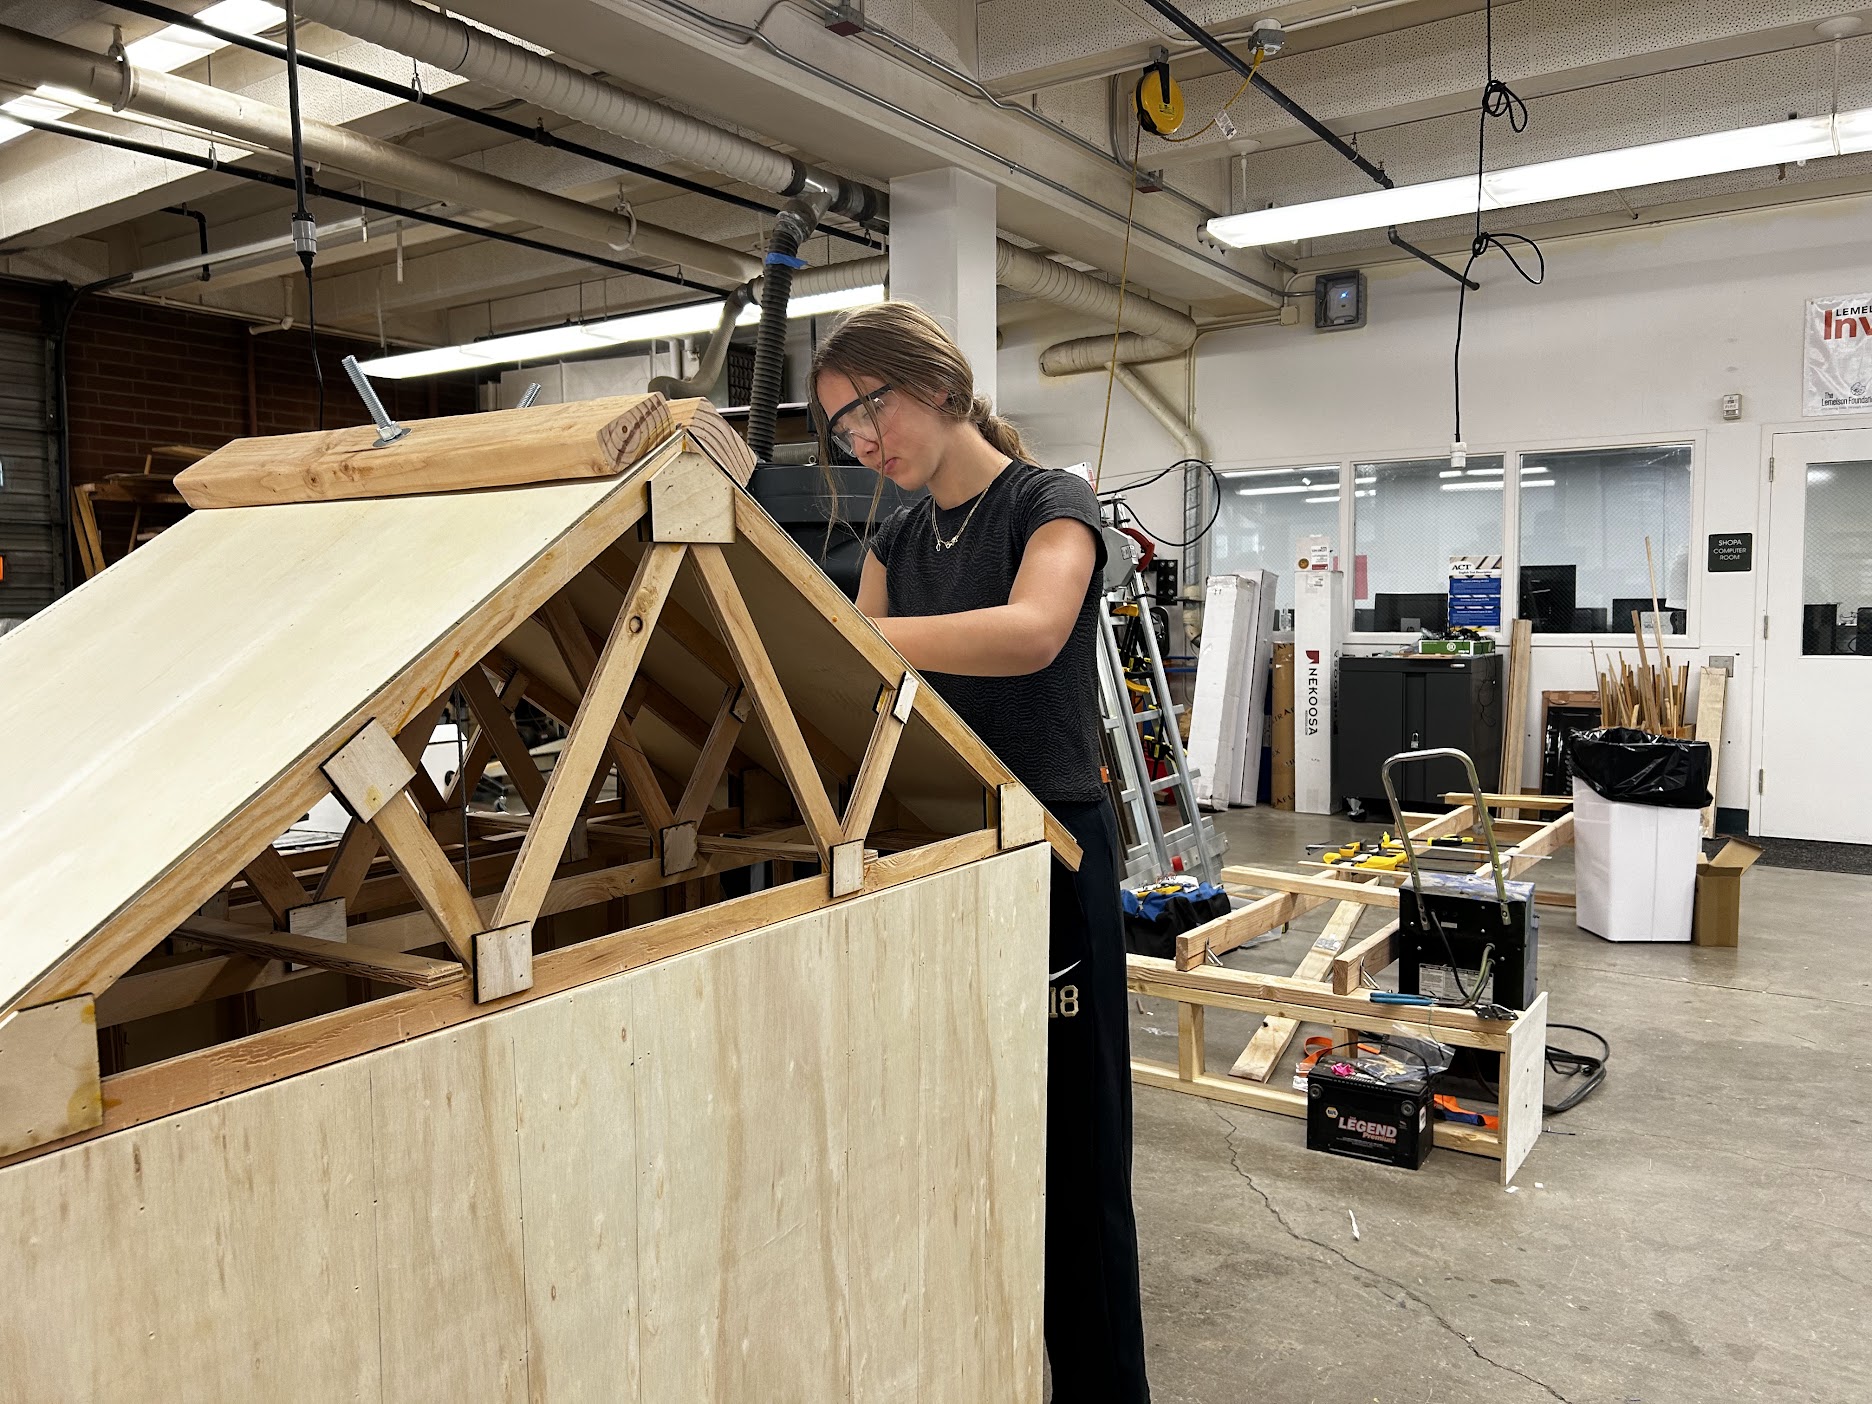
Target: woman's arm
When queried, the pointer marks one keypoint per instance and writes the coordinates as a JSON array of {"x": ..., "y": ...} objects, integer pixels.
[
  {"x": 1005, "y": 641},
  {"x": 873, "y": 597}
]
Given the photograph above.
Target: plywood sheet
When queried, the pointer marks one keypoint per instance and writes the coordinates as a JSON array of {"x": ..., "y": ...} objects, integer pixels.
[
  {"x": 450, "y": 1218},
  {"x": 223, "y": 1255},
  {"x": 983, "y": 1178},
  {"x": 187, "y": 677},
  {"x": 804, "y": 1164},
  {"x": 578, "y": 1171},
  {"x": 741, "y": 1103}
]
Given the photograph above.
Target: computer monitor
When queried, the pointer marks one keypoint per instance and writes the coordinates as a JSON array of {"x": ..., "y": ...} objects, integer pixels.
[
  {"x": 1548, "y": 593},
  {"x": 1408, "y": 613},
  {"x": 1622, "y": 610}
]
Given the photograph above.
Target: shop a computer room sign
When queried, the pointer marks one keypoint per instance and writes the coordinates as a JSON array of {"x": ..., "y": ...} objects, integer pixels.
[{"x": 1838, "y": 376}]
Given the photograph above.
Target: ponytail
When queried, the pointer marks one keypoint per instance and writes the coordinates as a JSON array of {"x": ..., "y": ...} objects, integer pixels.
[{"x": 997, "y": 431}]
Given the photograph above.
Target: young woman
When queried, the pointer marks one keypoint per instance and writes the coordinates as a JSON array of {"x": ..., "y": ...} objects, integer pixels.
[{"x": 989, "y": 586}]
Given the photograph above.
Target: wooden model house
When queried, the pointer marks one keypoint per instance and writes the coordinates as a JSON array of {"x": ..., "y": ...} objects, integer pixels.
[{"x": 601, "y": 1101}]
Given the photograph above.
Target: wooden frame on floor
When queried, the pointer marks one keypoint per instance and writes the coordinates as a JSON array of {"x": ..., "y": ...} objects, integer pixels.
[{"x": 1328, "y": 987}]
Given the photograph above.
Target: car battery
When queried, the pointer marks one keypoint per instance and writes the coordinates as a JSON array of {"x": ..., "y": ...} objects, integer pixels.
[
  {"x": 1370, "y": 1107},
  {"x": 1460, "y": 918}
]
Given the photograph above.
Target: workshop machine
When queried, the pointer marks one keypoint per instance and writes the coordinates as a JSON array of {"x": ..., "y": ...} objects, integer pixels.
[{"x": 1467, "y": 938}]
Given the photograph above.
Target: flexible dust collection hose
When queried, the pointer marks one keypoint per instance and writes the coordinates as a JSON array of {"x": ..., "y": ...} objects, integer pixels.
[{"x": 792, "y": 226}]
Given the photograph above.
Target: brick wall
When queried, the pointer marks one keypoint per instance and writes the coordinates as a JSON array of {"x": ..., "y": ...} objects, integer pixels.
[{"x": 139, "y": 375}]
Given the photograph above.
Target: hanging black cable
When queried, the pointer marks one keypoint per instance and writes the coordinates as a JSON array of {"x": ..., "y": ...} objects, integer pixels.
[
  {"x": 405, "y": 93},
  {"x": 304, "y": 231},
  {"x": 1498, "y": 100},
  {"x": 1117, "y": 495}
]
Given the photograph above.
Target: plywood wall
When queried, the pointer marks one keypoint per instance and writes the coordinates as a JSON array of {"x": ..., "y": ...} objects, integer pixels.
[{"x": 802, "y": 1165}]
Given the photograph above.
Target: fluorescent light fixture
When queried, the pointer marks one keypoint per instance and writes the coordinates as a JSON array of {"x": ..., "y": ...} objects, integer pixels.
[
  {"x": 176, "y": 46},
  {"x": 550, "y": 343},
  {"x": 38, "y": 104},
  {"x": 9, "y": 130},
  {"x": 1716, "y": 153},
  {"x": 1278, "y": 472},
  {"x": 1279, "y": 491}
]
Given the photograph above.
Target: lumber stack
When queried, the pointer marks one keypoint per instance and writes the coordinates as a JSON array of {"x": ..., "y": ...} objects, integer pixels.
[{"x": 1654, "y": 696}]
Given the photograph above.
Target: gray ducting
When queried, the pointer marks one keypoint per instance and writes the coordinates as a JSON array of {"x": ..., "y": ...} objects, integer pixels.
[
  {"x": 709, "y": 370},
  {"x": 30, "y": 60},
  {"x": 1152, "y": 331},
  {"x": 545, "y": 81}
]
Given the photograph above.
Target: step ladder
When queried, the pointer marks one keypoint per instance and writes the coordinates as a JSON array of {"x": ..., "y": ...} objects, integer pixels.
[{"x": 1151, "y": 852}]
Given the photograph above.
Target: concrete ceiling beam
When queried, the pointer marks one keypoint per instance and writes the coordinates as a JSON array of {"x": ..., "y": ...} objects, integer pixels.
[{"x": 856, "y": 108}]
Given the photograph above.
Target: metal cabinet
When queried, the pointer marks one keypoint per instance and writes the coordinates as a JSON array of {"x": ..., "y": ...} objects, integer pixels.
[{"x": 1389, "y": 705}]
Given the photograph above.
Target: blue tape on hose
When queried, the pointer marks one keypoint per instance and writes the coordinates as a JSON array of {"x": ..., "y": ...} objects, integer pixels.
[{"x": 787, "y": 260}]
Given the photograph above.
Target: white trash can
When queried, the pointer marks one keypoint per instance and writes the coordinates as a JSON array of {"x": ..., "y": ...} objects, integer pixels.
[{"x": 1636, "y": 867}]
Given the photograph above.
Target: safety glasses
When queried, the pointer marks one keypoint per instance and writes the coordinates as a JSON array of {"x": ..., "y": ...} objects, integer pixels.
[{"x": 871, "y": 404}]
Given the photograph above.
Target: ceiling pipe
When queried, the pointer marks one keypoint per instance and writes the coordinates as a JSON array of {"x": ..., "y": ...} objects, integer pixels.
[
  {"x": 1152, "y": 332},
  {"x": 1186, "y": 435},
  {"x": 448, "y": 43},
  {"x": 492, "y": 121},
  {"x": 30, "y": 59}
]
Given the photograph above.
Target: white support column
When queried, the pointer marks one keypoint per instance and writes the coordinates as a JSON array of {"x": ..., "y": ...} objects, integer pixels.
[{"x": 942, "y": 257}]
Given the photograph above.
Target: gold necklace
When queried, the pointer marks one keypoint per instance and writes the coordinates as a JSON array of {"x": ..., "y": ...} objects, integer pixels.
[{"x": 942, "y": 545}]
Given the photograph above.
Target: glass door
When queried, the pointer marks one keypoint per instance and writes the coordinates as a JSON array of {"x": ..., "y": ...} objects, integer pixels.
[{"x": 1816, "y": 771}]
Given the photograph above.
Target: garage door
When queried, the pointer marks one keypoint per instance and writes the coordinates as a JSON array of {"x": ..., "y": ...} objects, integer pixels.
[{"x": 32, "y": 558}]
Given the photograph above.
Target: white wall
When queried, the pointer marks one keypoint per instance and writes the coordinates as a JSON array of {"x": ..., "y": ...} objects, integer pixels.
[{"x": 1634, "y": 337}]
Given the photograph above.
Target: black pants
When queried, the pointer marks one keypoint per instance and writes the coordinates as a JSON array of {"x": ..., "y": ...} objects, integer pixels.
[{"x": 1094, "y": 1324}]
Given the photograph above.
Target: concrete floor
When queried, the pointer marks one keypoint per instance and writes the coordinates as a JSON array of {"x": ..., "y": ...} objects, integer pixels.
[{"x": 1699, "y": 1230}]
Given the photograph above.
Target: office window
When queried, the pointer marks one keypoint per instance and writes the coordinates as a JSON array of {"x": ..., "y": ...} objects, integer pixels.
[
  {"x": 1265, "y": 512},
  {"x": 1585, "y": 515},
  {"x": 1409, "y": 517},
  {"x": 1836, "y": 570}
]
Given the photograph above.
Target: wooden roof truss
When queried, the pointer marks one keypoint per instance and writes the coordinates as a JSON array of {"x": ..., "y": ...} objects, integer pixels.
[{"x": 428, "y": 910}]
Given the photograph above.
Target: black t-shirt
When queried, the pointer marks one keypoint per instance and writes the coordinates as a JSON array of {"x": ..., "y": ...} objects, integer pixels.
[{"x": 1044, "y": 725}]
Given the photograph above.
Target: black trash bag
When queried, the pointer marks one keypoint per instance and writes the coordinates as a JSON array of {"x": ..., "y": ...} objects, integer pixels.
[{"x": 1634, "y": 767}]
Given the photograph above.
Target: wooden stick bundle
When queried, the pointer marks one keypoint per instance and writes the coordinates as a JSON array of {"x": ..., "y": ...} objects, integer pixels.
[{"x": 1654, "y": 697}]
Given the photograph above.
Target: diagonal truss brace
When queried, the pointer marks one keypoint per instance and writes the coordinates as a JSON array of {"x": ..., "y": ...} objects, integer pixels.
[
  {"x": 605, "y": 687},
  {"x": 770, "y": 701}
]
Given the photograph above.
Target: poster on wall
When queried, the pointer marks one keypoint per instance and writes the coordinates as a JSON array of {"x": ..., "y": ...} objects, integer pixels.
[{"x": 1838, "y": 357}]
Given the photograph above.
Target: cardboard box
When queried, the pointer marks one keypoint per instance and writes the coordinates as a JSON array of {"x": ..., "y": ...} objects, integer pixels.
[
  {"x": 1281, "y": 729},
  {"x": 1719, "y": 893},
  {"x": 1635, "y": 867}
]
